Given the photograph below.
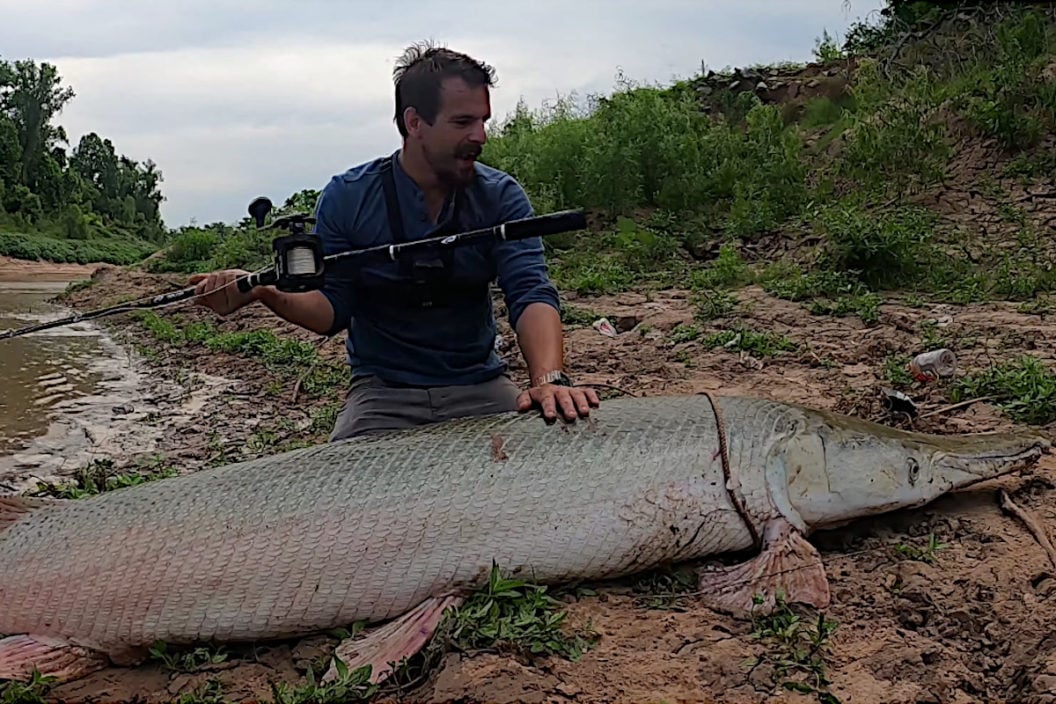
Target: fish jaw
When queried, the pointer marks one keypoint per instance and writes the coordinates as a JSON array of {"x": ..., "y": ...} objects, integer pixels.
[
  {"x": 839, "y": 469},
  {"x": 962, "y": 461}
]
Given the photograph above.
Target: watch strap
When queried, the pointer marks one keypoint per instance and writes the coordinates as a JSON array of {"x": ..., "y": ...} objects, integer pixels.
[{"x": 555, "y": 376}]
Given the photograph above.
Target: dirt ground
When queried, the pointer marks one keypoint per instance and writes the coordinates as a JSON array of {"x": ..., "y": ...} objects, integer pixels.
[
  {"x": 23, "y": 270},
  {"x": 976, "y": 624}
]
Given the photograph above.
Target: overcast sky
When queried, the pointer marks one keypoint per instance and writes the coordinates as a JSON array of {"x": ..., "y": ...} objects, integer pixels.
[{"x": 238, "y": 99}]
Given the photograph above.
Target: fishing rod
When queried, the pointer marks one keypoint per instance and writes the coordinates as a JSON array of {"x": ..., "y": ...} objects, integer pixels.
[{"x": 299, "y": 265}]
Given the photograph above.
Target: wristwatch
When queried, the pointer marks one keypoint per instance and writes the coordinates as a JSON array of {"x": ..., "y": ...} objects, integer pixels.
[{"x": 555, "y": 376}]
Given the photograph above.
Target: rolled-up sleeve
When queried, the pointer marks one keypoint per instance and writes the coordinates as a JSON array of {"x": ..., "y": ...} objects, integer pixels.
[
  {"x": 331, "y": 228},
  {"x": 521, "y": 268}
]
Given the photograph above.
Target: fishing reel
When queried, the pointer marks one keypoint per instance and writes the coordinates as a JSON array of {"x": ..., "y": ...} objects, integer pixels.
[{"x": 298, "y": 256}]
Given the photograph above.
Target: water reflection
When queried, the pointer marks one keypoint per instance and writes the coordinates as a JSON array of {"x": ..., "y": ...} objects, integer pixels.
[{"x": 42, "y": 372}]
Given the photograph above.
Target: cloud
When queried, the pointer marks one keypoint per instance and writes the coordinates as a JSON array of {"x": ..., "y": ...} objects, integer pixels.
[{"x": 234, "y": 100}]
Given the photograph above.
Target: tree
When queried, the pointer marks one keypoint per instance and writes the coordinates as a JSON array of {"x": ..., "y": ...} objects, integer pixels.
[
  {"x": 30, "y": 96},
  {"x": 39, "y": 179}
]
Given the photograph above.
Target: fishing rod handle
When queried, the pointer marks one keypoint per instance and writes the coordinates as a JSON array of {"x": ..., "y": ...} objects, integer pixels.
[
  {"x": 543, "y": 225},
  {"x": 259, "y": 278}
]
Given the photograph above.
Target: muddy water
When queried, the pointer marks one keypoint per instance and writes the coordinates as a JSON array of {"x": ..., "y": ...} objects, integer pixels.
[
  {"x": 40, "y": 372},
  {"x": 67, "y": 395}
]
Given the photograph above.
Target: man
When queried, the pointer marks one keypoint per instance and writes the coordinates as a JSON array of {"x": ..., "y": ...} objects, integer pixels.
[{"x": 421, "y": 331}]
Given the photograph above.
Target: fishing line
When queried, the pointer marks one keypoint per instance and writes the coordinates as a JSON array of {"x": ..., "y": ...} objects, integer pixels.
[
  {"x": 301, "y": 262},
  {"x": 163, "y": 300}
]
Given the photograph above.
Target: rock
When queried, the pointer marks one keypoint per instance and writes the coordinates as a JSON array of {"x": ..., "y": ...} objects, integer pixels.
[{"x": 569, "y": 689}]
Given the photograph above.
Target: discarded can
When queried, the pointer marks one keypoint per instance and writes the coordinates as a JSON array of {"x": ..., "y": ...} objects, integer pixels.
[
  {"x": 897, "y": 403},
  {"x": 931, "y": 365},
  {"x": 603, "y": 326}
]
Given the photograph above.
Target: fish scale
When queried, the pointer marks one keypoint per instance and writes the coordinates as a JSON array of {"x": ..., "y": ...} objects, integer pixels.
[
  {"x": 400, "y": 526},
  {"x": 365, "y": 529}
]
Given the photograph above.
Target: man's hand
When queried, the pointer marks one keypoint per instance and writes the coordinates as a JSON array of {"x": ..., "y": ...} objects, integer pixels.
[
  {"x": 219, "y": 292},
  {"x": 573, "y": 401}
]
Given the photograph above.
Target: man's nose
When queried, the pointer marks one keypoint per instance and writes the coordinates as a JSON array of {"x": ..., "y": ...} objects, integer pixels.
[{"x": 478, "y": 135}]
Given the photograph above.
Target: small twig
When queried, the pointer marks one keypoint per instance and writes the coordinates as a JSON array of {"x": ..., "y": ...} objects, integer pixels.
[
  {"x": 955, "y": 406},
  {"x": 1031, "y": 523}
]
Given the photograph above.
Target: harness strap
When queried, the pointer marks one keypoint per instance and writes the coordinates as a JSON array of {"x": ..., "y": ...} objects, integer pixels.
[
  {"x": 432, "y": 285},
  {"x": 392, "y": 205}
]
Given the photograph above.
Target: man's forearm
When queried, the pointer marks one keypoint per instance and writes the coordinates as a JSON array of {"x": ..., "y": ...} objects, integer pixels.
[
  {"x": 311, "y": 309},
  {"x": 541, "y": 338}
]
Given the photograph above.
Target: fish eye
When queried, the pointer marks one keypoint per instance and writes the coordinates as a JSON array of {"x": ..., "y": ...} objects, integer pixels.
[{"x": 914, "y": 470}]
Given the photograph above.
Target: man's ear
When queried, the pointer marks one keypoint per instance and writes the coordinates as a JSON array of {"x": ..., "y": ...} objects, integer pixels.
[{"x": 414, "y": 122}]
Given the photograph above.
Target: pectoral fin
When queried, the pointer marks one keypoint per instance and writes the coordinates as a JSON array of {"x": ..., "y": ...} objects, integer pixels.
[
  {"x": 787, "y": 565},
  {"x": 21, "y": 655},
  {"x": 385, "y": 647}
]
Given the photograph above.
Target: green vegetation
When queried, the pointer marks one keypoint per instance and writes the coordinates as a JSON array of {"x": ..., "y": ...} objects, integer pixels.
[
  {"x": 516, "y": 616},
  {"x": 187, "y": 659},
  {"x": 679, "y": 174},
  {"x": 33, "y": 692},
  {"x": 88, "y": 204},
  {"x": 928, "y": 553},
  {"x": 796, "y": 648},
  {"x": 1024, "y": 388},
  {"x": 100, "y": 476},
  {"x": 285, "y": 358}
]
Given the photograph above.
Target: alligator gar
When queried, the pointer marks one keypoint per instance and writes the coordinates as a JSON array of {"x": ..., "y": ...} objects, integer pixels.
[{"x": 392, "y": 529}]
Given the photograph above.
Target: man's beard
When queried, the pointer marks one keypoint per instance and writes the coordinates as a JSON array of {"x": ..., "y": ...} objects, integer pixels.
[{"x": 448, "y": 168}]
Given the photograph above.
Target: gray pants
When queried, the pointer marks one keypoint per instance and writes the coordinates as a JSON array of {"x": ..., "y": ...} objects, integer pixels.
[{"x": 373, "y": 406}]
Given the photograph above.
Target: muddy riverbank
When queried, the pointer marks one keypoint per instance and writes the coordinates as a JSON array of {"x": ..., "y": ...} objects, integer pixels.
[
  {"x": 23, "y": 270},
  {"x": 948, "y": 603},
  {"x": 69, "y": 395}
]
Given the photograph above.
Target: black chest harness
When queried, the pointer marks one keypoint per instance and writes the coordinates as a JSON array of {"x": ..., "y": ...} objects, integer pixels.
[{"x": 430, "y": 280}]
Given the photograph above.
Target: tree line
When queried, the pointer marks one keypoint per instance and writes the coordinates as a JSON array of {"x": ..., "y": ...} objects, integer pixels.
[{"x": 81, "y": 193}]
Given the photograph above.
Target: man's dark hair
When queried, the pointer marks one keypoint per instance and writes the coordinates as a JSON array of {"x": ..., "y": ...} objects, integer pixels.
[{"x": 421, "y": 70}]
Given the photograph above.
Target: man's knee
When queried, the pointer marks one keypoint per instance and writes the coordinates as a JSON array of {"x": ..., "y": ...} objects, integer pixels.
[
  {"x": 503, "y": 394},
  {"x": 371, "y": 406},
  {"x": 498, "y": 395}
]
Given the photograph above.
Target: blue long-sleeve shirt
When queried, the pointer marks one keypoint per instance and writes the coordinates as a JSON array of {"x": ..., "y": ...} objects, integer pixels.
[{"x": 427, "y": 346}]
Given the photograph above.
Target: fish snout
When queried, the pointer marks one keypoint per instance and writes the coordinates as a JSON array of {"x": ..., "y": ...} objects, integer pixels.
[{"x": 987, "y": 456}]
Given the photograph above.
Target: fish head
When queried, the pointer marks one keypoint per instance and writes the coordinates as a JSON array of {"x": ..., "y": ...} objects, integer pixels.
[{"x": 845, "y": 468}]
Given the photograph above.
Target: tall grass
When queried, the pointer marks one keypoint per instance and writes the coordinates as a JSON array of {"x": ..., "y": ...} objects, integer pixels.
[
  {"x": 103, "y": 250},
  {"x": 646, "y": 147}
]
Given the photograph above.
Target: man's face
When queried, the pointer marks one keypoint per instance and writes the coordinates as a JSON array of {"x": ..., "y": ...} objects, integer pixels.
[{"x": 454, "y": 141}]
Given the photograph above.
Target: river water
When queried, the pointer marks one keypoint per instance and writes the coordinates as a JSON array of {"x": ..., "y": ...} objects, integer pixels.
[{"x": 65, "y": 393}]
